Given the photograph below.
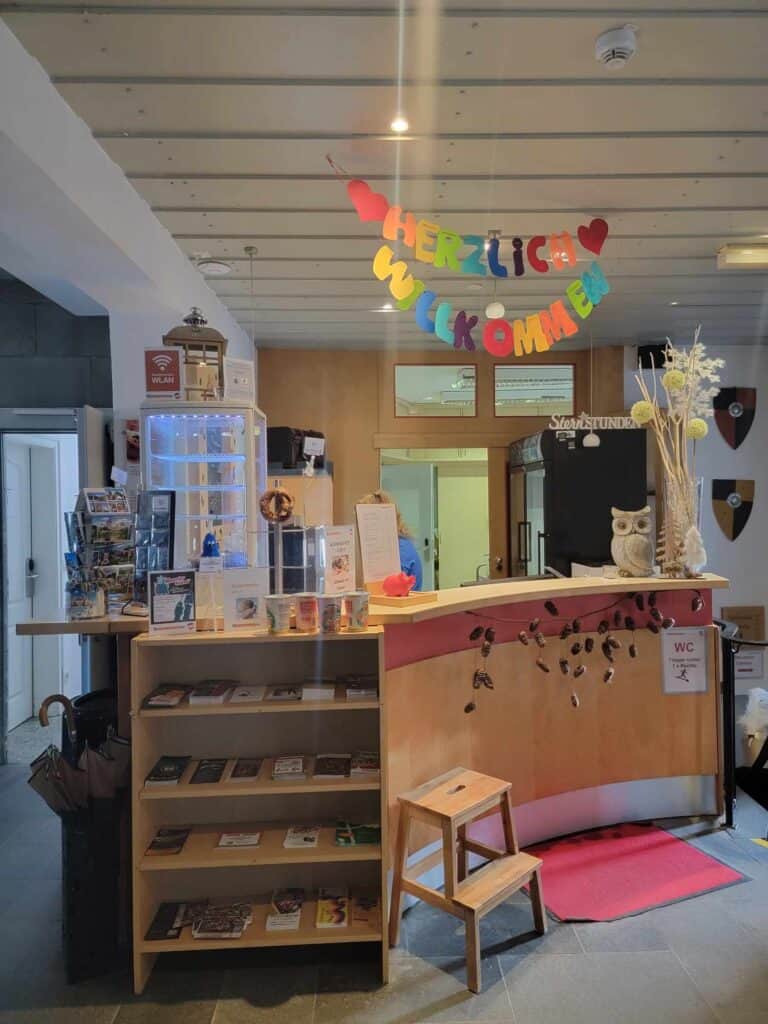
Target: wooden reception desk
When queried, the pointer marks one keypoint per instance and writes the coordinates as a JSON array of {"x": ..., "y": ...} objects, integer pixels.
[{"x": 628, "y": 751}]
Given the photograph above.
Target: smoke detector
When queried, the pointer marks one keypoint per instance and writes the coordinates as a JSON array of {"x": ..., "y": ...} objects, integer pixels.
[
  {"x": 616, "y": 47},
  {"x": 209, "y": 266}
]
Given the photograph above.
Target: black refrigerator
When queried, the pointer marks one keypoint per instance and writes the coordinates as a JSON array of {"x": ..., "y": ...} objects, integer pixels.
[{"x": 561, "y": 494}]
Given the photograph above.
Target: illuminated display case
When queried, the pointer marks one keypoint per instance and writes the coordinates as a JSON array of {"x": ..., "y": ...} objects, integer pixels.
[{"x": 214, "y": 456}]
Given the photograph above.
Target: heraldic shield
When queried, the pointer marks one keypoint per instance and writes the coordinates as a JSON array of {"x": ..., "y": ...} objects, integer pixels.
[
  {"x": 732, "y": 502},
  {"x": 735, "y": 413}
]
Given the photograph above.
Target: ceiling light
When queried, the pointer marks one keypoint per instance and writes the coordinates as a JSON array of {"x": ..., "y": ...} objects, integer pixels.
[
  {"x": 213, "y": 268},
  {"x": 731, "y": 257},
  {"x": 675, "y": 303},
  {"x": 399, "y": 125},
  {"x": 591, "y": 440},
  {"x": 387, "y": 306}
]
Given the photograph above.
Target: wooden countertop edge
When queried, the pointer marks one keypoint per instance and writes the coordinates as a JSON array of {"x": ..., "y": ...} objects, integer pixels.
[
  {"x": 462, "y": 599},
  {"x": 449, "y": 602}
]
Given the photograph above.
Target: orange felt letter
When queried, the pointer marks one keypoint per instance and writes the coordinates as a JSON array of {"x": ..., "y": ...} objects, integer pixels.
[{"x": 393, "y": 225}]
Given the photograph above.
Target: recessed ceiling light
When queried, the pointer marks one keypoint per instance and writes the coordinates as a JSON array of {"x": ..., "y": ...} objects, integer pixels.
[
  {"x": 735, "y": 256},
  {"x": 675, "y": 303},
  {"x": 399, "y": 125},
  {"x": 213, "y": 268},
  {"x": 387, "y": 305}
]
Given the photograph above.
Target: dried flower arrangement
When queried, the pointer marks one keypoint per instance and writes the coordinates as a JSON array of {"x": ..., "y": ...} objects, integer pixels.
[{"x": 690, "y": 381}]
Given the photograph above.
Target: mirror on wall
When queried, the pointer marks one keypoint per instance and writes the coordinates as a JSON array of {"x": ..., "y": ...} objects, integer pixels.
[
  {"x": 527, "y": 390},
  {"x": 435, "y": 390}
]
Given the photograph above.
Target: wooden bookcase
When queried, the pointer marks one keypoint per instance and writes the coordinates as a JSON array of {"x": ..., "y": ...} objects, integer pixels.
[{"x": 202, "y": 869}]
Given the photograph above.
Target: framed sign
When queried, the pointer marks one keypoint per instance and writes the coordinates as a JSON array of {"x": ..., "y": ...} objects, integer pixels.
[
  {"x": 172, "y": 604},
  {"x": 239, "y": 380},
  {"x": 162, "y": 371},
  {"x": 750, "y": 618},
  {"x": 684, "y": 660}
]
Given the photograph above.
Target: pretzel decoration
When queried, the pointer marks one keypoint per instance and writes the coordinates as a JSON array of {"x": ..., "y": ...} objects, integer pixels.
[{"x": 276, "y": 505}]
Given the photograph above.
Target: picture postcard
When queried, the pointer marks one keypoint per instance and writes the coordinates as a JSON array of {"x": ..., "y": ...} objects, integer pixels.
[
  {"x": 339, "y": 559},
  {"x": 244, "y": 591},
  {"x": 172, "y": 601}
]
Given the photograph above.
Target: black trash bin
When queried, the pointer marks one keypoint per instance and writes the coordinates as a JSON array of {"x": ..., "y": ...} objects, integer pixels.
[{"x": 91, "y": 853}]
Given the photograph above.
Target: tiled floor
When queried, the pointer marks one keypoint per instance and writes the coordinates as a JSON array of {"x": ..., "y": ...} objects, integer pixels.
[
  {"x": 29, "y": 739},
  {"x": 699, "y": 962}
]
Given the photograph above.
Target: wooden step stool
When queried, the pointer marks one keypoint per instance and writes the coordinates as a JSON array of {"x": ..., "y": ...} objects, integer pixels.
[{"x": 450, "y": 802}]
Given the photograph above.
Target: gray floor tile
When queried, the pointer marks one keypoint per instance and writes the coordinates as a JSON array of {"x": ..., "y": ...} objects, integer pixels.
[
  {"x": 280, "y": 995},
  {"x": 29, "y": 860},
  {"x": 420, "y": 990},
  {"x": 732, "y": 978},
  {"x": 604, "y": 988},
  {"x": 431, "y": 933},
  {"x": 629, "y": 935},
  {"x": 175, "y": 997}
]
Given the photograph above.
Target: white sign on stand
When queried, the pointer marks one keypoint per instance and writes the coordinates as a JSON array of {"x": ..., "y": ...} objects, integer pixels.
[
  {"x": 749, "y": 664},
  {"x": 239, "y": 380},
  {"x": 684, "y": 660},
  {"x": 339, "y": 559},
  {"x": 379, "y": 547}
]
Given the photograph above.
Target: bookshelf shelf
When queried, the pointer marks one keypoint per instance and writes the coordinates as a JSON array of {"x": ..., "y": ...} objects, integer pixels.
[
  {"x": 201, "y": 850},
  {"x": 259, "y": 729},
  {"x": 307, "y": 934}
]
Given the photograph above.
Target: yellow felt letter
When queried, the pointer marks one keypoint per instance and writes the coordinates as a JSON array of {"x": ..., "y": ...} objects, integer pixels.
[
  {"x": 402, "y": 283},
  {"x": 426, "y": 234}
]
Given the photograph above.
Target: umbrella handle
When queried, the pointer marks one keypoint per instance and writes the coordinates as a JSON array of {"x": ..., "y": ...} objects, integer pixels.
[{"x": 59, "y": 698}]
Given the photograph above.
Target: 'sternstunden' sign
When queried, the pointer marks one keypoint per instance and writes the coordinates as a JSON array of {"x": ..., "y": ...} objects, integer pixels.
[{"x": 446, "y": 249}]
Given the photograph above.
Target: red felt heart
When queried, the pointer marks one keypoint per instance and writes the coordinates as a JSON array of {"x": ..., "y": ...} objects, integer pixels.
[
  {"x": 593, "y": 237},
  {"x": 369, "y": 205}
]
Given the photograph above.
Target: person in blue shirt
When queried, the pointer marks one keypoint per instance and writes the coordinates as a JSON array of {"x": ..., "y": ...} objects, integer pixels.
[{"x": 410, "y": 560}]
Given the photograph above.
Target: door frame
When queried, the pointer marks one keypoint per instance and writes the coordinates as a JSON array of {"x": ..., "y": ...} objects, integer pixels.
[{"x": 22, "y": 421}]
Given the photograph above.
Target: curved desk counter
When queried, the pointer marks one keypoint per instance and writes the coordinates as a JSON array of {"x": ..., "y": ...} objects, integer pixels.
[{"x": 629, "y": 751}]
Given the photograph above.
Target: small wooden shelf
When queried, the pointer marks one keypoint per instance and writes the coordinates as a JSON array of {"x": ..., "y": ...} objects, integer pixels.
[
  {"x": 263, "y": 786},
  {"x": 265, "y": 707},
  {"x": 201, "y": 849},
  {"x": 244, "y": 637},
  {"x": 257, "y": 935}
]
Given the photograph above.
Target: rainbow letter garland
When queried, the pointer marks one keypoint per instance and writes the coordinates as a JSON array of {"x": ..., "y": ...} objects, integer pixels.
[{"x": 447, "y": 250}]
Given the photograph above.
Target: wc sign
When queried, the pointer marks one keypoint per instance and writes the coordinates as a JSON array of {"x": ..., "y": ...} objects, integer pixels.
[{"x": 684, "y": 660}]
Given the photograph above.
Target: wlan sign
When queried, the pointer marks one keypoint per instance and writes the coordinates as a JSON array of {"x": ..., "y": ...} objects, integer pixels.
[{"x": 162, "y": 371}]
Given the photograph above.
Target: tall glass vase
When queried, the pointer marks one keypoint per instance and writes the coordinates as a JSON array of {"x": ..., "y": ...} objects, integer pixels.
[{"x": 681, "y": 554}]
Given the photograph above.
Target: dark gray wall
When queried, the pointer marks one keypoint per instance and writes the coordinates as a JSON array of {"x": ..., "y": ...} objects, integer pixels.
[{"x": 48, "y": 357}]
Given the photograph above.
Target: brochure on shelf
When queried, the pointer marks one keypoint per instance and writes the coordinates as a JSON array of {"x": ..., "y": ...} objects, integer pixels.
[
  {"x": 172, "y": 601},
  {"x": 339, "y": 559},
  {"x": 244, "y": 591}
]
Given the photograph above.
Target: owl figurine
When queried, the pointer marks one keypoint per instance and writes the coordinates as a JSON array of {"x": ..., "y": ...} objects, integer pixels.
[{"x": 632, "y": 547}]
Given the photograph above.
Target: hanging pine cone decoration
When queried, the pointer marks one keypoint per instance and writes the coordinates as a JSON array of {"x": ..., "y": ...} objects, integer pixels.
[
  {"x": 652, "y": 599},
  {"x": 632, "y": 650},
  {"x": 565, "y": 632},
  {"x": 477, "y": 679},
  {"x": 575, "y": 699},
  {"x": 487, "y": 681},
  {"x": 534, "y": 625},
  {"x": 639, "y": 602},
  {"x": 652, "y": 626},
  {"x": 608, "y": 675},
  {"x": 539, "y": 638},
  {"x": 576, "y": 648},
  {"x": 617, "y": 617},
  {"x": 697, "y": 604},
  {"x": 522, "y": 636},
  {"x": 613, "y": 642},
  {"x": 551, "y": 607},
  {"x": 579, "y": 671},
  {"x": 485, "y": 650},
  {"x": 540, "y": 663},
  {"x": 603, "y": 626},
  {"x": 656, "y": 615},
  {"x": 565, "y": 668},
  {"x": 629, "y": 623},
  {"x": 589, "y": 644},
  {"x": 576, "y": 625},
  {"x": 667, "y": 623},
  {"x": 607, "y": 650},
  {"x": 476, "y": 633},
  {"x": 490, "y": 635},
  {"x": 468, "y": 708}
]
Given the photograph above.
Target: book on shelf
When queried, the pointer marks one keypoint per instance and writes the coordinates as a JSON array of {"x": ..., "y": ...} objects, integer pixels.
[
  {"x": 300, "y": 837},
  {"x": 192, "y": 911},
  {"x": 320, "y": 692},
  {"x": 167, "y": 922},
  {"x": 168, "y": 841},
  {"x": 284, "y": 693},
  {"x": 247, "y": 694},
  {"x": 362, "y": 691},
  {"x": 223, "y": 921},
  {"x": 332, "y": 908},
  {"x": 238, "y": 840},
  {"x": 365, "y": 910},
  {"x": 167, "y": 771},
  {"x": 283, "y": 922},
  {"x": 332, "y": 766},
  {"x": 167, "y": 695},
  {"x": 208, "y": 771},
  {"x": 246, "y": 769},
  {"x": 350, "y": 834},
  {"x": 212, "y": 691},
  {"x": 289, "y": 767},
  {"x": 365, "y": 762},
  {"x": 288, "y": 901}
]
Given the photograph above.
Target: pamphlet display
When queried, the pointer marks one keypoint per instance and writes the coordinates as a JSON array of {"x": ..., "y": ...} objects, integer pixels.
[
  {"x": 154, "y": 537},
  {"x": 172, "y": 602},
  {"x": 339, "y": 559},
  {"x": 244, "y": 591},
  {"x": 100, "y": 560}
]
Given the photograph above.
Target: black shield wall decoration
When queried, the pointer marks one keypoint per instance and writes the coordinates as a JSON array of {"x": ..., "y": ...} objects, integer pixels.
[
  {"x": 732, "y": 502},
  {"x": 735, "y": 413}
]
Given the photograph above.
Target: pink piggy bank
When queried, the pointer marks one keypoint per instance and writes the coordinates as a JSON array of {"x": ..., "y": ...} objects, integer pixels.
[{"x": 398, "y": 585}]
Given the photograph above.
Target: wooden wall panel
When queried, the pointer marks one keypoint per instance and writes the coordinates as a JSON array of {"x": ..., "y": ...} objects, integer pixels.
[{"x": 527, "y": 731}]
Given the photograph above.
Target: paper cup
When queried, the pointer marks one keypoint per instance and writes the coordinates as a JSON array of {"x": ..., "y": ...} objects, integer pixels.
[
  {"x": 357, "y": 610},
  {"x": 278, "y": 612},
  {"x": 307, "y": 615},
  {"x": 329, "y": 607}
]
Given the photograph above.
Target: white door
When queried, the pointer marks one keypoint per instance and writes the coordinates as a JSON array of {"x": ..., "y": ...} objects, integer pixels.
[
  {"x": 18, "y": 584},
  {"x": 413, "y": 488}
]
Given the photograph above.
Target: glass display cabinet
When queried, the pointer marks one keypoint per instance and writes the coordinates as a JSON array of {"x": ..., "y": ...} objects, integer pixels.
[{"x": 214, "y": 456}]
